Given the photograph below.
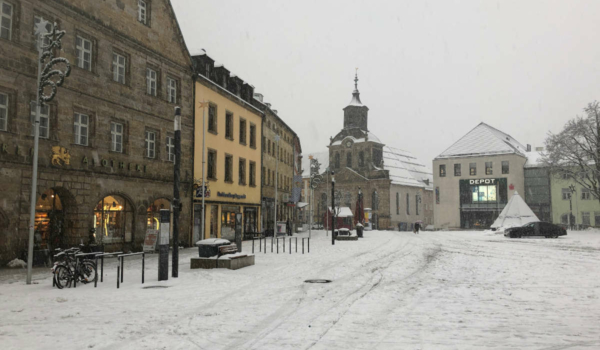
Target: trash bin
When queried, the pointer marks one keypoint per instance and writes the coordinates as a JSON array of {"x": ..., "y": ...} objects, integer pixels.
[
  {"x": 359, "y": 230},
  {"x": 210, "y": 247}
]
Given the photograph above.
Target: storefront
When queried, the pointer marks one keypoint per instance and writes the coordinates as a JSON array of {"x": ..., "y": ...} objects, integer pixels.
[
  {"x": 220, "y": 220},
  {"x": 481, "y": 201}
]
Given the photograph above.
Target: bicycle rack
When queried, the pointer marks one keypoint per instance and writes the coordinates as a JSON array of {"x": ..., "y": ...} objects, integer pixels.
[
  {"x": 77, "y": 256},
  {"x": 101, "y": 256},
  {"x": 121, "y": 266}
]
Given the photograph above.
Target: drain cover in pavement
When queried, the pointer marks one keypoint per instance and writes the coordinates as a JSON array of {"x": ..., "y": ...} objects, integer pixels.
[{"x": 317, "y": 281}]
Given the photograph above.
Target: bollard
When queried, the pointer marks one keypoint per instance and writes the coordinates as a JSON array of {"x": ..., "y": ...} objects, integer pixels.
[
  {"x": 118, "y": 270},
  {"x": 271, "y": 244},
  {"x": 259, "y": 244},
  {"x": 290, "y": 246},
  {"x": 122, "y": 268},
  {"x": 308, "y": 241},
  {"x": 252, "y": 245},
  {"x": 277, "y": 242},
  {"x": 101, "y": 269},
  {"x": 96, "y": 277},
  {"x": 265, "y": 249},
  {"x": 302, "y": 245},
  {"x": 143, "y": 263},
  {"x": 296, "y": 244},
  {"x": 284, "y": 244}
]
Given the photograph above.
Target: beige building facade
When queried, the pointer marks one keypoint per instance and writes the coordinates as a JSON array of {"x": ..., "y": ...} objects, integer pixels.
[{"x": 476, "y": 177}]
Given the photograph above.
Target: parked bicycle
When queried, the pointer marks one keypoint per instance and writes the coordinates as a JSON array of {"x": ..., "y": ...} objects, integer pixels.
[{"x": 67, "y": 269}]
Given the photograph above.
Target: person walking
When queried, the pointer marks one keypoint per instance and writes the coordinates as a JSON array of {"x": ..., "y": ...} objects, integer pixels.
[
  {"x": 417, "y": 227},
  {"x": 288, "y": 227}
]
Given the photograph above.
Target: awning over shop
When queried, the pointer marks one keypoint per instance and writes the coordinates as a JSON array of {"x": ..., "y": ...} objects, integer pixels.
[{"x": 301, "y": 204}]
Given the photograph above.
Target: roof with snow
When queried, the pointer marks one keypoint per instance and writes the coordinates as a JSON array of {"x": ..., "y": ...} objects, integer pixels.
[
  {"x": 515, "y": 213},
  {"x": 534, "y": 159},
  {"x": 484, "y": 140},
  {"x": 345, "y": 212},
  {"x": 406, "y": 169},
  {"x": 369, "y": 137}
]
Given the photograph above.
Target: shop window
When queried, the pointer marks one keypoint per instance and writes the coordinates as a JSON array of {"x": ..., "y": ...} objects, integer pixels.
[
  {"x": 585, "y": 218},
  {"x": 488, "y": 168},
  {"x": 3, "y": 112},
  {"x": 505, "y": 168},
  {"x": 250, "y": 220},
  {"x": 472, "y": 169},
  {"x": 113, "y": 220},
  {"x": 242, "y": 171},
  {"x": 484, "y": 193},
  {"x": 212, "y": 118},
  {"x": 442, "y": 170},
  {"x": 228, "y": 221},
  {"x": 252, "y": 135},
  {"x": 228, "y": 168},
  {"x": 585, "y": 194},
  {"x": 457, "y": 170},
  {"x": 44, "y": 120},
  {"x": 242, "y": 131},
  {"x": 211, "y": 166},
  {"x": 49, "y": 221},
  {"x": 153, "y": 213}
]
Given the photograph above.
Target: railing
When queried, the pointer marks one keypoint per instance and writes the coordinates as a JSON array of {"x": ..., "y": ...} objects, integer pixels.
[{"x": 121, "y": 266}]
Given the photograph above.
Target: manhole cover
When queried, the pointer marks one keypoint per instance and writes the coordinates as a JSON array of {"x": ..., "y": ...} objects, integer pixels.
[
  {"x": 151, "y": 287},
  {"x": 317, "y": 281}
]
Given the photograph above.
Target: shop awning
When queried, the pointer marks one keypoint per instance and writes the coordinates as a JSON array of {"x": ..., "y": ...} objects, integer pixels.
[{"x": 301, "y": 204}]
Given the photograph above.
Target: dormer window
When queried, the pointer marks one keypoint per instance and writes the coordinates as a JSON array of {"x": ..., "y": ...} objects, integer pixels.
[{"x": 225, "y": 82}]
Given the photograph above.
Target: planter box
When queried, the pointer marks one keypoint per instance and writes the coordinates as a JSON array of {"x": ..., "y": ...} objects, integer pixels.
[
  {"x": 346, "y": 238},
  {"x": 222, "y": 263}
]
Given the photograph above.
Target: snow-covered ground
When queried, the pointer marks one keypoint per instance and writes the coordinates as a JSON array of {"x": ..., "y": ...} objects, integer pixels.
[{"x": 390, "y": 290}]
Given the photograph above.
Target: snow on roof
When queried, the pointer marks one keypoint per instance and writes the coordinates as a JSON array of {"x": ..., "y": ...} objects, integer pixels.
[
  {"x": 370, "y": 137},
  {"x": 344, "y": 212},
  {"x": 212, "y": 241},
  {"x": 197, "y": 52},
  {"x": 484, "y": 140},
  {"x": 515, "y": 213},
  {"x": 533, "y": 159},
  {"x": 322, "y": 157},
  {"x": 355, "y": 100},
  {"x": 405, "y": 168}
]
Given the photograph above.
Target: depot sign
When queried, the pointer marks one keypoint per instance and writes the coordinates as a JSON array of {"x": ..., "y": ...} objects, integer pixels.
[{"x": 483, "y": 182}]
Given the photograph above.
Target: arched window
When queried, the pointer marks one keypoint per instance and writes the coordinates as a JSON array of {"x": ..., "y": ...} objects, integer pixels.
[
  {"x": 113, "y": 219},
  {"x": 154, "y": 213},
  {"x": 337, "y": 160},
  {"x": 349, "y": 160}
]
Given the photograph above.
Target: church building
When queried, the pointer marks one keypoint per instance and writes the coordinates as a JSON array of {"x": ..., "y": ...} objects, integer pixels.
[{"x": 396, "y": 187}]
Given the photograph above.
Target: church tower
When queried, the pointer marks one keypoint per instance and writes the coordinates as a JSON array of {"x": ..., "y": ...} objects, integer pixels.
[{"x": 356, "y": 114}]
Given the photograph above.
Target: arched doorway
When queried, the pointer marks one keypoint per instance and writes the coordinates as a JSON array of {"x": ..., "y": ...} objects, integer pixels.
[
  {"x": 49, "y": 232},
  {"x": 113, "y": 220}
]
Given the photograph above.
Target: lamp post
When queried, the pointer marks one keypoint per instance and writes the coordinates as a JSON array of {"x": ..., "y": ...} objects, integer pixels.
[
  {"x": 573, "y": 191},
  {"x": 44, "y": 79},
  {"x": 276, "y": 179},
  {"x": 203, "y": 105},
  {"x": 375, "y": 205},
  {"x": 176, "y": 199},
  {"x": 332, "y": 208}
]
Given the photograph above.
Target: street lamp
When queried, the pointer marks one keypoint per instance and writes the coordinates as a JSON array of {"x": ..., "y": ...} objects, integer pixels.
[
  {"x": 332, "y": 208},
  {"x": 44, "y": 79},
  {"x": 573, "y": 190},
  {"x": 276, "y": 178},
  {"x": 176, "y": 199}
]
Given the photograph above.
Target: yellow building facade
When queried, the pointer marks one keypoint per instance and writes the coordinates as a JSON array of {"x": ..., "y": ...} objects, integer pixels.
[{"x": 232, "y": 155}]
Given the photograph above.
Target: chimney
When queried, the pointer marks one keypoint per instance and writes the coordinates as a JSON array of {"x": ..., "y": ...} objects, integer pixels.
[{"x": 528, "y": 148}]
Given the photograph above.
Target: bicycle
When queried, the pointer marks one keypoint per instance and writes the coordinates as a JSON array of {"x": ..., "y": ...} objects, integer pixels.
[{"x": 67, "y": 270}]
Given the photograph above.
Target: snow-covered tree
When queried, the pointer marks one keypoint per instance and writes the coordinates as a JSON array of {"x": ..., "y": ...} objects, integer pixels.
[{"x": 574, "y": 153}]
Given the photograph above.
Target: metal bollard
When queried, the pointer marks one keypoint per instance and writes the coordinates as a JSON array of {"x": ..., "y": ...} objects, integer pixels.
[
  {"x": 271, "y": 244},
  {"x": 277, "y": 242},
  {"x": 96, "y": 277},
  {"x": 284, "y": 244},
  {"x": 76, "y": 272},
  {"x": 296, "y": 244},
  {"x": 118, "y": 271},
  {"x": 265, "y": 249},
  {"x": 143, "y": 263},
  {"x": 302, "y": 245},
  {"x": 308, "y": 241},
  {"x": 122, "y": 268},
  {"x": 290, "y": 246},
  {"x": 101, "y": 269},
  {"x": 252, "y": 245},
  {"x": 259, "y": 244}
]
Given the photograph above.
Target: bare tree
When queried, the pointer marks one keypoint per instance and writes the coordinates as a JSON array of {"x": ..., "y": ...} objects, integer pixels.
[{"x": 574, "y": 153}]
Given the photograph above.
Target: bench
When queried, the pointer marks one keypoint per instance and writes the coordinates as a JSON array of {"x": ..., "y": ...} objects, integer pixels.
[{"x": 227, "y": 249}]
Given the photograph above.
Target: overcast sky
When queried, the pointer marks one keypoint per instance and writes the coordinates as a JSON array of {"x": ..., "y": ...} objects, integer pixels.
[{"x": 429, "y": 71}]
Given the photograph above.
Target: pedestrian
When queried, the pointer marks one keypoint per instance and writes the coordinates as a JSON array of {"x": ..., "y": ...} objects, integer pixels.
[
  {"x": 288, "y": 227},
  {"x": 417, "y": 227}
]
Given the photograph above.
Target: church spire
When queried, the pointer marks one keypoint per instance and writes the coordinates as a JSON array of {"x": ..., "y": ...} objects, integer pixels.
[{"x": 355, "y": 94}]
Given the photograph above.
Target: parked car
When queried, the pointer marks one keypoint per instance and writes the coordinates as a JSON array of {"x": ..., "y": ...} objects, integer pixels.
[{"x": 537, "y": 228}]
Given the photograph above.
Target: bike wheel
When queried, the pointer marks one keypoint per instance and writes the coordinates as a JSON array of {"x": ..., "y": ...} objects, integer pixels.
[
  {"x": 62, "y": 276},
  {"x": 87, "y": 272}
]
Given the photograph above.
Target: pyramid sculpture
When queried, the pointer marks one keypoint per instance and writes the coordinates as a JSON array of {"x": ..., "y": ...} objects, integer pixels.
[{"x": 516, "y": 213}]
